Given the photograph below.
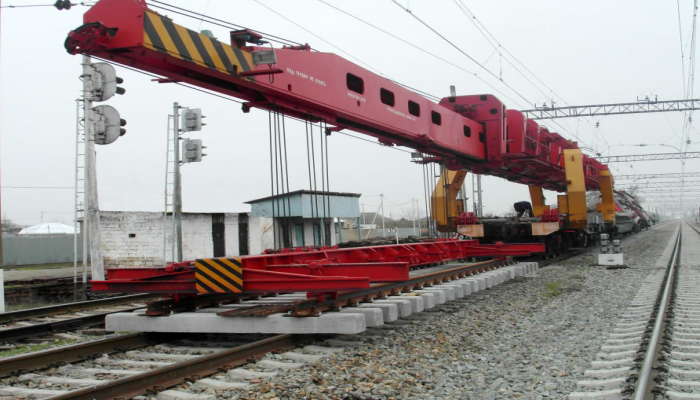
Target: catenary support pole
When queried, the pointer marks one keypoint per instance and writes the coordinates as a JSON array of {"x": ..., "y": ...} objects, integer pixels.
[{"x": 92, "y": 214}]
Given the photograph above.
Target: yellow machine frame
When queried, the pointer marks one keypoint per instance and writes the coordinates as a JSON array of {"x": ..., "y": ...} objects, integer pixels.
[{"x": 444, "y": 204}]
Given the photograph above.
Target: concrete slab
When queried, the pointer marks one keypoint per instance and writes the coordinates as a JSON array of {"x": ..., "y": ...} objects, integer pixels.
[
  {"x": 518, "y": 270},
  {"x": 390, "y": 311},
  {"x": 466, "y": 286},
  {"x": 607, "y": 373},
  {"x": 416, "y": 301},
  {"x": 36, "y": 378},
  {"x": 373, "y": 316},
  {"x": 481, "y": 281},
  {"x": 272, "y": 364},
  {"x": 195, "y": 322},
  {"x": 439, "y": 296},
  {"x": 602, "y": 384},
  {"x": 242, "y": 374},
  {"x": 449, "y": 291},
  {"x": 131, "y": 363},
  {"x": 218, "y": 384},
  {"x": 612, "y": 394},
  {"x": 101, "y": 371},
  {"x": 177, "y": 395},
  {"x": 31, "y": 392},
  {"x": 321, "y": 349},
  {"x": 458, "y": 289},
  {"x": 403, "y": 306},
  {"x": 140, "y": 355},
  {"x": 304, "y": 358},
  {"x": 472, "y": 283},
  {"x": 430, "y": 300}
]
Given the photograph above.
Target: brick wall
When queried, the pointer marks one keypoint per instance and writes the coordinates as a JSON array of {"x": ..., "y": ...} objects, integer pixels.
[{"x": 135, "y": 239}]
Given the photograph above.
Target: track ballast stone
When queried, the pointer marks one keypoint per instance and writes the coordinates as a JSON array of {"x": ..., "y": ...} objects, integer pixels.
[{"x": 528, "y": 338}]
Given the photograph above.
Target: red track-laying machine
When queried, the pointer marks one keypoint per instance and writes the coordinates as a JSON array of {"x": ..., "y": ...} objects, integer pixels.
[{"x": 475, "y": 133}]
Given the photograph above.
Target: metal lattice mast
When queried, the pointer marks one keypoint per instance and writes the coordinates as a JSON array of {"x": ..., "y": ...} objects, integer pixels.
[
  {"x": 612, "y": 109},
  {"x": 675, "y": 175},
  {"x": 79, "y": 193},
  {"x": 171, "y": 143},
  {"x": 650, "y": 157}
]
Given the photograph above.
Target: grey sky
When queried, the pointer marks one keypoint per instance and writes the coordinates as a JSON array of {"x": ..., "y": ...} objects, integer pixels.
[{"x": 587, "y": 52}]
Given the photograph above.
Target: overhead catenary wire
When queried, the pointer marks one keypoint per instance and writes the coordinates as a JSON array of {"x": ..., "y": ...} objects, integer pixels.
[{"x": 461, "y": 51}]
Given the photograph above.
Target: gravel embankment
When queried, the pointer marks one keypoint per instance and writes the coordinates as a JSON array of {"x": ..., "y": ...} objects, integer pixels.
[{"x": 530, "y": 338}]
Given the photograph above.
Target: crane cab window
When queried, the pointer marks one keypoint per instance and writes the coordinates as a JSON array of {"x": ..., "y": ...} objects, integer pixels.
[
  {"x": 436, "y": 117},
  {"x": 387, "y": 97},
  {"x": 355, "y": 83},
  {"x": 413, "y": 108},
  {"x": 467, "y": 131}
]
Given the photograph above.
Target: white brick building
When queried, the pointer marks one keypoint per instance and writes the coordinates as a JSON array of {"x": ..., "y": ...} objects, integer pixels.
[{"x": 135, "y": 239}]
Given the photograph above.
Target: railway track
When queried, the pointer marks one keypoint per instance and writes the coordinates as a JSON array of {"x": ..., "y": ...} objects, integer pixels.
[
  {"x": 654, "y": 351},
  {"x": 130, "y": 365},
  {"x": 42, "y": 321}
]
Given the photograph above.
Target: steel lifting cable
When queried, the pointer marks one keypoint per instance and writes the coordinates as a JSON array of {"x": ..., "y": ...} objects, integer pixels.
[
  {"x": 323, "y": 182},
  {"x": 272, "y": 180},
  {"x": 328, "y": 180},
  {"x": 313, "y": 165},
  {"x": 278, "y": 166},
  {"x": 427, "y": 197},
  {"x": 288, "y": 230},
  {"x": 308, "y": 161}
]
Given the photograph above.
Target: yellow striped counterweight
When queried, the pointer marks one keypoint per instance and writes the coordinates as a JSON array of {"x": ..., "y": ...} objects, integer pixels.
[
  {"x": 162, "y": 35},
  {"x": 218, "y": 275}
]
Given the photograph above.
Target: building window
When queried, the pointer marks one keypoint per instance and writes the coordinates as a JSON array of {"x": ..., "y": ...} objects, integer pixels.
[
  {"x": 355, "y": 83},
  {"x": 413, "y": 108},
  {"x": 467, "y": 131},
  {"x": 436, "y": 117},
  {"x": 387, "y": 97}
]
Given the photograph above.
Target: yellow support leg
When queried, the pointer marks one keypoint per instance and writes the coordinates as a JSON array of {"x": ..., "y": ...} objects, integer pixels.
[
  {"x": 607, "y": 205},
  {"x": 443, "y": 202},
  {"x": 575, "y": 188},
  {"x": 537, "y": 200}
]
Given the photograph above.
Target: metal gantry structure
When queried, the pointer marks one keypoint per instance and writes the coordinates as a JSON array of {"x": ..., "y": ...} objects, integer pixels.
[
  {"x": 650, "y": 157},
  {"x": 676, "y": 175},
  {"x": 638, "y": 107},
  {"x": 660, "y": 185}
]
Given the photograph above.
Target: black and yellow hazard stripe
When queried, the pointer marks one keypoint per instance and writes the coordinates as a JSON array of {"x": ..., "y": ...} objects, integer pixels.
[
  {"x": 161, "y": 34},
  {"x": 218, "y": 275}
]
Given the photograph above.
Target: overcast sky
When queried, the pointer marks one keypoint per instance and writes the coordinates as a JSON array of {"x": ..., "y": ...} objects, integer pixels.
[{"x": 580, "y": 52}]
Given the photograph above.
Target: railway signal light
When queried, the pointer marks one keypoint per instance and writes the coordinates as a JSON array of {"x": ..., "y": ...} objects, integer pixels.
[
  {"x": 108, "y": 124},
  {"x": 63, "y": 4},
  {"x": 104, "y": 82},
  {"x": 192, "y": 150},
  {"x": 192, "y": 120}
]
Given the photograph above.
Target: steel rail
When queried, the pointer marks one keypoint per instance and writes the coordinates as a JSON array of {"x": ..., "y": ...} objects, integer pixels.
[
  {"x": 177, "y": 373},
  {"x": 81, "y": 351},
  {"x": 28, "y": 313},
  {"x": 644, "y": 378},
  {"x": 24, "y": 332}
]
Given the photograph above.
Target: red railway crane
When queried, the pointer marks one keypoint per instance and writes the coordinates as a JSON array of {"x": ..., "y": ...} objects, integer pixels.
[{"x": 475, "y": 132}]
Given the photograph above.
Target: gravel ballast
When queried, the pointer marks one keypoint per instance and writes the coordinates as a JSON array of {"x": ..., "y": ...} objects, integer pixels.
[{"x": 529, "y": 338}]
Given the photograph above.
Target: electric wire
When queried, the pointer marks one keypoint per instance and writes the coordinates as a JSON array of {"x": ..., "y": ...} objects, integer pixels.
[
  {"x": 680, "y": 38},
  {"x": 461, "y": 51},
  {"x": 491, "y": 39}
]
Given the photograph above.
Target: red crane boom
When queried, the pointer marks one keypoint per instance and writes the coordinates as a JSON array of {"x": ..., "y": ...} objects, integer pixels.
[{"x": 475, "y": 132}]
